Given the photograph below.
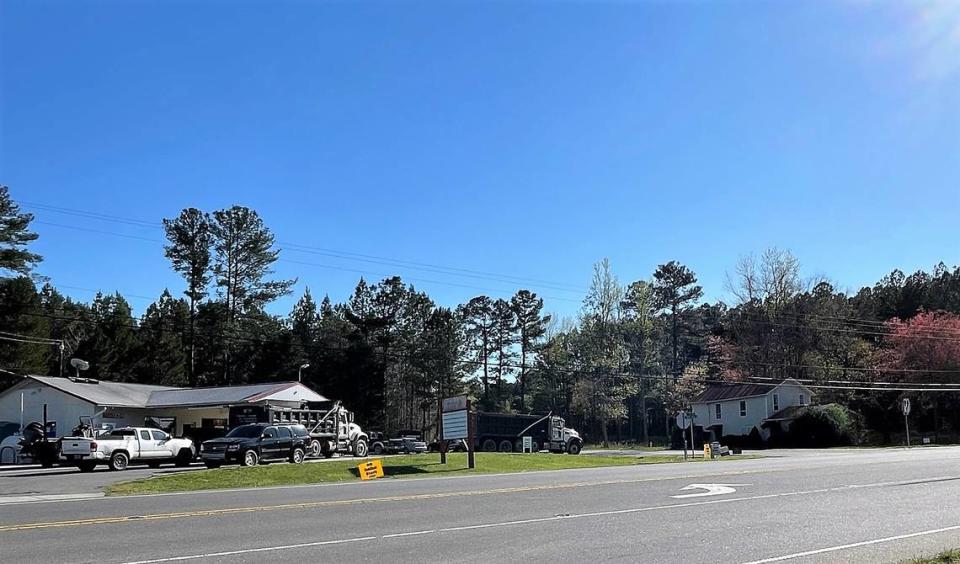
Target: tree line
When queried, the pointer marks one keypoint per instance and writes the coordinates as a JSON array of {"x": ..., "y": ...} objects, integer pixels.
[{"x": 634, "y": 354}]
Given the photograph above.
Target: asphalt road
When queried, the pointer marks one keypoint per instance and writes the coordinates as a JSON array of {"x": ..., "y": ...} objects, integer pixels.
[{"x": 860, "y": 506}]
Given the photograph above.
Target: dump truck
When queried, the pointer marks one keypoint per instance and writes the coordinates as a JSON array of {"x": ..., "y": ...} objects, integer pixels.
[
  {"x": 504, "y": 432},
  {"x": 332, "y": 430}
]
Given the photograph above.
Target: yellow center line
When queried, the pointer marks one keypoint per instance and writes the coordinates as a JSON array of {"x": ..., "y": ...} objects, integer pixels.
[{"x": 315, "y": 504}]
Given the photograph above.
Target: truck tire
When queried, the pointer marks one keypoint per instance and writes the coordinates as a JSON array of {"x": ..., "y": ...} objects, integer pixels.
[
  {"x": 119, "y": 461},
  {"x": 489, "y": 445},
  {"x": 183, "y": 459},
  {"x": 377, "y": 448},
  {"x": 506, "y": 446},
  {"x": 297, "y": 456},
  {"x": 87, "y": 466},
  {"x": 360, "y": 448},
  {"x": 573, "y": 447},
  {"x": 250, "y": 459},
  {"x": 314, "y": 449}
]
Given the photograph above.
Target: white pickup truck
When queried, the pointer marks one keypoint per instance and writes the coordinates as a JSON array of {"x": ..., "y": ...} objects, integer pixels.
[{"x": 120, "y": 447}]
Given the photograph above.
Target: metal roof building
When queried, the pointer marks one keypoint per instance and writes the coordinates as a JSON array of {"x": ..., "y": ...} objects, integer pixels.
[{"x": 196, "y": 411}]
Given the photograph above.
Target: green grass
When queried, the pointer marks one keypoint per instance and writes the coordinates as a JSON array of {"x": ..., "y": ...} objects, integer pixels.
[
  {"x": 947, "y": 557},
  {"x": 625, "y": 446},
  {"x": 393, "y": 467}
]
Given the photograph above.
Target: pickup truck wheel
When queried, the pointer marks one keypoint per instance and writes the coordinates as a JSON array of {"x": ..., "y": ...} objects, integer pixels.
[
  {"x": 297, "y": 456},
  {"x": 250, "y": 458},
  {"x": 183, "y": 459},
  {"x": 87, "y": 466},
  {"x": 119, "y": 461},
  {"x": 573, "y": 447},
  {"x": 360, "y": 448}
]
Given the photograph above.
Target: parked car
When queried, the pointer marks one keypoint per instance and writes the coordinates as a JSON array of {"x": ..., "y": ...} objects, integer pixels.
[
  {"x": 406, "y": 443},
  {"x": 453, "y": 445},
  {"x": 119, "y": 447},
  {"x": 249, "y": 445}
]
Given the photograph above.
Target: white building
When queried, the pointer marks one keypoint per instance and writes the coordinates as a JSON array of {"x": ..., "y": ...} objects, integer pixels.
[
  {"x": 194, "y": 412},
  {"x": 738, "y": 409}
]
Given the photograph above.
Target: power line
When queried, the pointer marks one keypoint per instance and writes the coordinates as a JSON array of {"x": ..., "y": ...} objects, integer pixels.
[
  {"x": 498, "y": 366},
  {"x": 303, "y": 263},
  {"x": 856, "y": 323},
  {"x": 346, "y": 255}
]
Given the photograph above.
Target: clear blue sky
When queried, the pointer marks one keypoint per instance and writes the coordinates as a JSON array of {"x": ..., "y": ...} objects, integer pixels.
[{"x": 528, "y": 139}]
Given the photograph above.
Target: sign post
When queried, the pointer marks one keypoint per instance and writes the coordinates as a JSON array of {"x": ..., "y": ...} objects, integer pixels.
[
  {"x": 456, "y": 424},
  {"x": 905, "y": 408},
  {"x": 683, "y": 421}
]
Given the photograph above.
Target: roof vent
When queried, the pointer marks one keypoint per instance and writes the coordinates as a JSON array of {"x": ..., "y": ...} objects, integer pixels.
[{"x": 84, "y": 380}]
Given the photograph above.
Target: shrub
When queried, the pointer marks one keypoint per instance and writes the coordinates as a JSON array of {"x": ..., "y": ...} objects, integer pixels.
[{"x": 825, "y": 426}]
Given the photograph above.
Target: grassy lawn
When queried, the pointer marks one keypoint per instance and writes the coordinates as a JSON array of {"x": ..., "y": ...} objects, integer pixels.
[
  {"x": 948, "y": 557},
  {"x": 624, "y": 446},
  {"x": 393, "y": 467}
]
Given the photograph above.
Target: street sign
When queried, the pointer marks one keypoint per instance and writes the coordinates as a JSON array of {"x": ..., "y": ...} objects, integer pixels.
[
  {"x": 371, "y": 470},
  {"x": 905, "y": 408},
  {"x": 683, "y": 420}
]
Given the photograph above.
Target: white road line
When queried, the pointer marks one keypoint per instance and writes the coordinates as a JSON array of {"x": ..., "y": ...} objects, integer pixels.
[
  {"x": 853, "y": 545},
  {"x": 47, "y": 498},
  {"x": 250, "y": 550},
  {"x": 586, "y": 516}
]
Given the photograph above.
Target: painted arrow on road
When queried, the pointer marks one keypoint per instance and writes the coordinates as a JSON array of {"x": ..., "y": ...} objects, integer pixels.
[{"x": 712, "y": 489}]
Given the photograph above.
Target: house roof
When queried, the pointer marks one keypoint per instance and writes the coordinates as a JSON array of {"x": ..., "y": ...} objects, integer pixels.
[
  {"x": 282, "y": 391},
  {"x": 103, "y": 392},
  {"x": 123, "y": 394},
  {"x": 724, "y": 392},
  {"x": 720, "y": 392}
]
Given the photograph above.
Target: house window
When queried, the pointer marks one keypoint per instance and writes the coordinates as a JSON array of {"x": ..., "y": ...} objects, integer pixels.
[
  {"x": 776, "y": 402},
  {"x": 803, "y": 401},
  {"x": 743, "y": 408},
  {"x": 718, "y": 411}
]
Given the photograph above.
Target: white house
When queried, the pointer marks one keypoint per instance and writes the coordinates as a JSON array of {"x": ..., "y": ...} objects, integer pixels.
[
  {"x": 182, "y": 411},
  {"x": 738, "y": 409}
]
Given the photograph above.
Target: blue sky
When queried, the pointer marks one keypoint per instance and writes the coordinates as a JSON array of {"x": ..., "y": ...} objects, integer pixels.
[{"x": 527, "y": 139}]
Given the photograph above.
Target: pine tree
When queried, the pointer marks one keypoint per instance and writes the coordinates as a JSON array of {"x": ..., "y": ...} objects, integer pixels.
[
  {"x": 14, "y": 236},
  {"x": 504, "y": 337},
  {"x": 531, "y": 326},
  {"x": 190, "y": 238},
  {"x": 477, "y": 317},
  {"x": 244, "y": 254}
]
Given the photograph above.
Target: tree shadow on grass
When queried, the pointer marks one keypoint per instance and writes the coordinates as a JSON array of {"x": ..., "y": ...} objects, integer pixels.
[{"x": 411, "y": 469}]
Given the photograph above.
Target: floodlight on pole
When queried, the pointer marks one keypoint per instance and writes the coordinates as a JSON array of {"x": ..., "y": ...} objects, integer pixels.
[{"x": 300, "y": 371}]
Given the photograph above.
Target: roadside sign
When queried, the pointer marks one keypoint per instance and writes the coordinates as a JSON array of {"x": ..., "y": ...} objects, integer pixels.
[
  {"x": 905, "y": 408},
  {"x": 457, "y": 403},
  {"x": 455, "y": 425},
  {"x": 528, "y": 444},
  {"x": 371, "y": 470},
  {"x": 683, "y": 420}
]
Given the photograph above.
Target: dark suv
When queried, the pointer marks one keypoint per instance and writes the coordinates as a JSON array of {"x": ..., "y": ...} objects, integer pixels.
[{"x": 248, "y": 445}]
